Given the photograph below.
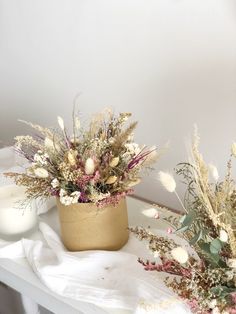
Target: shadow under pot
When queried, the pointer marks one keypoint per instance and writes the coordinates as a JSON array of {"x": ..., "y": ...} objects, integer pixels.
[{"x": 84, "y": 226}]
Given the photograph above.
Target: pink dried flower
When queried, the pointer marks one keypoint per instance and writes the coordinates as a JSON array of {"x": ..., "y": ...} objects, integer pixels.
[
  {"x": 169, "y": 230},
  {"x": 167, "y": 266},
  {"x": 139, "y": 158},
  {"x": 96, "y": 176},
  {"x": 83, "y": 181},
  {"x": 113, "y": 199},
  {"x": 193, "y": 304},
  {"x": 233, "y": 297}
]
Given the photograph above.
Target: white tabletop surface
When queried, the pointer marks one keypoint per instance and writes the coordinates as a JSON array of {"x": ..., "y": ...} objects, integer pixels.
[{"x": 18, "y": 274}]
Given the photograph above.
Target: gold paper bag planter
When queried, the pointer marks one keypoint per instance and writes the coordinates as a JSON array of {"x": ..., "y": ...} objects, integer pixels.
[{"x": 84, "y": 226}]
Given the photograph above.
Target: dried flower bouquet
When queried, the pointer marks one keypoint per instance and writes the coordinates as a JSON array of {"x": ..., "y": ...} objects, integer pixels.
[
  {"x": 98, "y": 164},
  {"x": 205, "y": 279}
]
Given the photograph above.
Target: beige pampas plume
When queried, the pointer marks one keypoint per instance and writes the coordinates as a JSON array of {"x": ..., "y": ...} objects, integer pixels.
[
  {"x": 41, "y": 172},
  {"x": 40, "y": 129},
  {"x": 213, "y": 171},
  {"x": 233, "y": 149},
  {"x": 223, "y": 236},
  {"x": 167, "y": 180},
  {"x": 180, "y": 255},
  {"x": 151, "y": 213},
  {"x": 155, "y": 154},
  {"x": 71, "y": 156},
  {"x": 61, "y": 123},
  {"x": 89, "y": 166}
]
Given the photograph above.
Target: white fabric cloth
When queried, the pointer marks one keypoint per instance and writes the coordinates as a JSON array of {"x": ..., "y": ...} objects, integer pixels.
[
  {"x": 110, "y": 279},
  {"x": 113, "y": 279}
]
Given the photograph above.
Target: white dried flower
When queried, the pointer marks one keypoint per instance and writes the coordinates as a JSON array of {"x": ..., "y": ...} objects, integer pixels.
[
  {"x": 75, "y": 196},
  {"x": 233, "y": 149},
  {"x": 150, "y": 212},
  {"x": 66, "y": 200},
  {"x": 230, "y": 274},
  {"x": 89, "y": 166},
  {"x": 62, "y": 192},
  {"x": 231, "y": 262},
  {"x": 55, "y": 183},
  {"x": 223, "y": 236},
  {"x": 180, "y": 254},
  {"x": 114, "y": 162},
  {"x": 212, "y": 304},
  {"x": 69, "y": 199},
  {"x": 133, "y": 183},
  {"x": 61, "y": 123},
  {"x": 133, "y": 148},
  {"x": 215, "y": 310},
  {"x": 156, "y": 254},
  {"x": 41, "y": 158},
  {"x": 167, "y": 181},
  {"x": 111, "y": 180},
  {"x": 41, "y": 172},
  {"x": 213, "y": 171},
  {"x": 96, "y": 196}
]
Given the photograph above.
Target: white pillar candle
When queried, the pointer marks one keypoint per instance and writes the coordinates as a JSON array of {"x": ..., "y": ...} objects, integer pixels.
[{"x": 15, "y": 220}]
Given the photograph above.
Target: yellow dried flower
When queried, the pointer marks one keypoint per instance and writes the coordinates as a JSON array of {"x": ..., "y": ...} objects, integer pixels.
[
  {"x": 114, "y": 162},
  {"x": 134, "y": 182},
  {"x": 111, "y": 180},
  {"x": 71, "y": 156}
]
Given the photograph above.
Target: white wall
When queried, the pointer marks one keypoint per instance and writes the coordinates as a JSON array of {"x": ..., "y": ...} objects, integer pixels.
[{"x": 171, "y": 62}]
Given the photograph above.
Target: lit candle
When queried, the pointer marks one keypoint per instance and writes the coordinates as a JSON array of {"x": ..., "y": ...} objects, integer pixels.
[{"x": 14, "y": 219}]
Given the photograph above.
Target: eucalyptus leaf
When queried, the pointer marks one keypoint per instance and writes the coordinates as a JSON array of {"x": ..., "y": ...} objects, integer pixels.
[
  {"x": 214, "y": 259},
  {"x": 182, "y": 229},
  {"x": 205, "y": 247},
  {"x": 196, "y": 238},
  {"x": 182, "y": 218},
  {"x": 215, "y": 246},
  {"x": 222, "y": 291},
  {"x": 188, "y": 219}
]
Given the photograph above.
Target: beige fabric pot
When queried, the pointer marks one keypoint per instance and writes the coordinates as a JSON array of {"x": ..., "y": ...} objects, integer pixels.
[{"x": 87, "y": 227}]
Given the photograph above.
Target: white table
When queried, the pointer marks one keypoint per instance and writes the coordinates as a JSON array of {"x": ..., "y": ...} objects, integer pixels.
[{"x": 18, "y": 275}]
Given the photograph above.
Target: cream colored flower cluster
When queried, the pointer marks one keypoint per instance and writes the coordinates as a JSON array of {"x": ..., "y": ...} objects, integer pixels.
[{"x": 99, "y": 163}]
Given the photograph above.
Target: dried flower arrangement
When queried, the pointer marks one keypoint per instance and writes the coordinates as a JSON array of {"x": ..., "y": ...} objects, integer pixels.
[
  {"x": 205, "y": 272},
  {"x": 98, "y": 164}
]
